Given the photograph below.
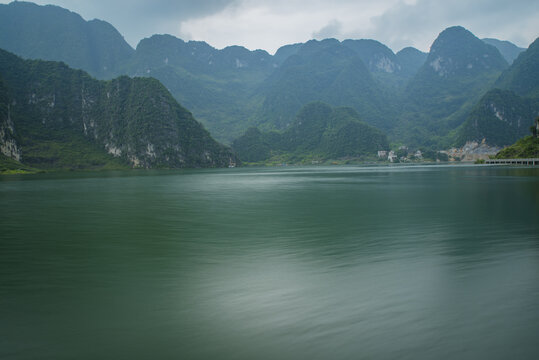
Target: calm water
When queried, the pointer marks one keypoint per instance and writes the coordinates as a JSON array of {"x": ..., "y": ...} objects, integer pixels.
[{"x": 293, "y": 263}]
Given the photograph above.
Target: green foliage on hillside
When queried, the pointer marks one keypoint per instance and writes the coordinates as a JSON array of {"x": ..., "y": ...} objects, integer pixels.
[
  {"x": 504, "y": 116},
  {"x": 65, "y": 119},
  {"x": 459, "y": 70},
  {"x": 318, "y": 132},
  {"x": 501, "y": 117},
  {"x": 217, "y": 85},
  {"x": 523, "y": 76},
  {"x": 321, "y": 71},
  {"x": 527, "y": 147},
  {"x": 9, "y": 166}
]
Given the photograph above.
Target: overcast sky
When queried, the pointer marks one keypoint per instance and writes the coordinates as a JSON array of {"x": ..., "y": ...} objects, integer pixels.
[{"x": 269, "y": 24}]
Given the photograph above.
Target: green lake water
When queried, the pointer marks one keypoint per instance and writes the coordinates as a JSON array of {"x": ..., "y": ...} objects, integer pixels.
[{"x": 420, "y": 262}]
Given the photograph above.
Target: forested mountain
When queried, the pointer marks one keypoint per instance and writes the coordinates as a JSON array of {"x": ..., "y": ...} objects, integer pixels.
[
  {"x": 375, "y": 55},
  {"x": 318, "y": 131},
  {"x": 53, "y": 33},
  {"x": 503, "y": 116},
  {"x": 417, "y": 98},
  {"x": 52, "y": 116},
  {"x": 459, "y": 69},
  {"x": 523, "y": 75},
  {"x": 324, "y": 71},
  {"x": 215, "y": 84},
  {"x": 508, "y": 50},
  {"x": 411, "y": 60}
]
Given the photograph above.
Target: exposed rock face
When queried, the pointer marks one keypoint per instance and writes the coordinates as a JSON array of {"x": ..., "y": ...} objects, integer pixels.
[
  {"x": 8, "y": 145},
  {"x": 474, "y": 150}
]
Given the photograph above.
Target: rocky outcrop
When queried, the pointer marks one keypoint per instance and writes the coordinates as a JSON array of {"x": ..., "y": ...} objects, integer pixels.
[{"x": 474, "y": 150}]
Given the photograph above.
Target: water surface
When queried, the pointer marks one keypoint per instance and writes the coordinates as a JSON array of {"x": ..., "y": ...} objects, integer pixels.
[{"x": 421, "y": 262}]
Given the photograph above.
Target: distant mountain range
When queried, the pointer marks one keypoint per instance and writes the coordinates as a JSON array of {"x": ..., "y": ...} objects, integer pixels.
[
  {"x": 508, "y": 50},
  {"x": 432, "y": 100}
]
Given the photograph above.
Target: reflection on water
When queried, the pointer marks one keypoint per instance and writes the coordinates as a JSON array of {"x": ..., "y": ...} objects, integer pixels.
[{"x": 324, "y": 262}]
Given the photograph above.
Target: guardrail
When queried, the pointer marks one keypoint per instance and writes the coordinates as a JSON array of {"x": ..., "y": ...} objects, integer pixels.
[{"x": 531, "y": 161}]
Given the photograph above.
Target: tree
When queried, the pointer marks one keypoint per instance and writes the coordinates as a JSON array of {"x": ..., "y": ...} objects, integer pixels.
[{"x": 535, "y": 128}]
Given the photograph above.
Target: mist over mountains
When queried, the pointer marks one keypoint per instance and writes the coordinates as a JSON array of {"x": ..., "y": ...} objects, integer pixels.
[{"x": 433, "y": 100}]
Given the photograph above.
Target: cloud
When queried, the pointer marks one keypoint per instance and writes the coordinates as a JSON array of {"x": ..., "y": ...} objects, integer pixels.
[
  {"x": 269, "y": 24},
  {"x": 332, "y": 30},
  {"x": 419, "y": 23}
]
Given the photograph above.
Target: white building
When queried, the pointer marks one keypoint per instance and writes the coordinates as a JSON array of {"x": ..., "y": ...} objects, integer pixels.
[{"x": 392, "y": 156}]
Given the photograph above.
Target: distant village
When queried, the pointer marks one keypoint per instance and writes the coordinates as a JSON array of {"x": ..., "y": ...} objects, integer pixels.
[
  {"x": 393, "y": 156},
  {"x": 471, "y": 151}
]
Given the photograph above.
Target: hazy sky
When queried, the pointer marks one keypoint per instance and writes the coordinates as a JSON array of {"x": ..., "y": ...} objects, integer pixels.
[{"x": 269, "y": 24}]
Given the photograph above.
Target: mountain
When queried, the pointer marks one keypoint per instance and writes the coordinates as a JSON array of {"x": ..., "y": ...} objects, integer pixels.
[
  {"x": 318, "y": 131},
  {"x": 459, "y": 69},
  {"x": 523, "y": 75},
  {"x": 284, "y": 52},
  {"x": 411, "y": 60},
  {"x": 383, "y": 64},
  {"x": 419, "y": 99},
  {"x": 501, "y": 117},
  {"x": 53, "y": 33},
  {"x": 56, "y": 117},
  {"x": 375, "y": 55},
  {"x": 217, "y": 85},
  {"x": 508, "y": 50},
  {"x": 324, "y": 71},
  {"x": 505, "y": 114}
]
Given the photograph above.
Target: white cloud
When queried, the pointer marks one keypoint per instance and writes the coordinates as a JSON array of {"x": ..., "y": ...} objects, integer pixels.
[
  {"x": 332, "y": 30},
  {"x": 269, "y": 24}
]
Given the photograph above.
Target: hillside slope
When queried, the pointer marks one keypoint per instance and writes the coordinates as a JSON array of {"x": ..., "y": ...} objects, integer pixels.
[
  {"x": 504, "y": 115},
  {"x": 58, "y": 117},
  {"x": 318, "y": 130}
]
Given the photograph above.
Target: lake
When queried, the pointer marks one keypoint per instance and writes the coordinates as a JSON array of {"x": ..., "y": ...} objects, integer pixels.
[{"x": 344, "y": 262}]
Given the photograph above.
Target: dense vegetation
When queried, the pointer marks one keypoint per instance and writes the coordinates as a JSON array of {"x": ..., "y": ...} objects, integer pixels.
[
  {"x": 63, "y": 118},
  {"x": 459, "y": 69},
  {"x": 523, "y": 76},
  {"x": 503, "y": 116},
  {"x": 319, "y": 132},
  {"x": 527, "y": 147}
]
